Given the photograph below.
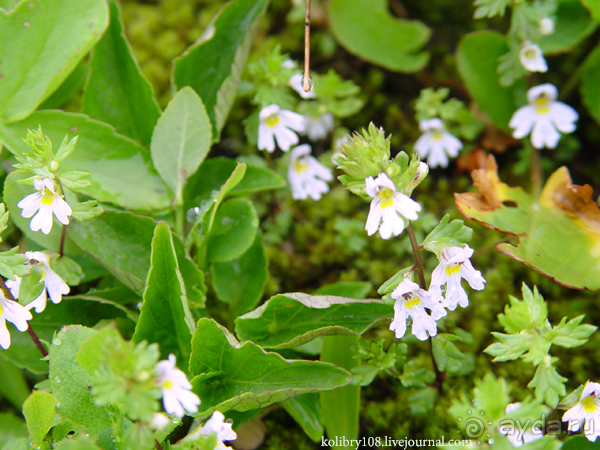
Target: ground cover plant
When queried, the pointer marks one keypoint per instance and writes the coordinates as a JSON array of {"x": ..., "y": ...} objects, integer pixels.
[{"x": 205, "y": 247}]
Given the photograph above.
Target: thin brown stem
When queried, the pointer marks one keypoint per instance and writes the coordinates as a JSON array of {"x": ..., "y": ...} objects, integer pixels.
[
  {"x": 417, "y": 253},
  {"x": 439, "y": 375},
  {"x": 61, "y": 246},
  {"x": 536, "y": 172},
  {"x": 306, "y": 80},
  {"x": 157, "y": 445}
]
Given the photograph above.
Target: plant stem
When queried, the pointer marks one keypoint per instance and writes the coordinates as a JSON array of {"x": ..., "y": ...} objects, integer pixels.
[
  {"x": 536, "y": 172},
  {"x": 180, "y": 221},
  {"x": 157, "y": 445},
  {"x": 36, "y": 341},
  {"x": 439, "y": 376},
  {"x": 61, "y": 246}
]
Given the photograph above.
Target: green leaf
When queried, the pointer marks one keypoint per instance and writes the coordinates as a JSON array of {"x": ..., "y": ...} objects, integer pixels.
[
  {"x": 573, "y": 24},
  {"x": 81, "y": 441},
  {"x": 11, "y": 427},
  {"x": 293, "y": 319},
  {"x": 367, "y": 29},
  {"x": 549, "y": 385},
  {"x": 165, "y": 317},
  {"x": 306, "y": 411},
  {"x": 590, "y": 83},
  {"x": 447, "y": 356},
  {"x": 352, "y": 289},
  {"x": 340, "y": 407},
  {"x": 181, "y": 140},
  {"x": 490, "y": 8},
  {"x": 580, "y": 442},
  {"x": 70, "y": 381},
  {"x": 447, "y": 234},
  {"x": 42, "y": 44},
  {"x": 11, "y": 264},
  {"x": 213, "y": 173},
  {"x": 477, "y": 60},
  {"x": 116, "y": 91},
  {"x": 235, "y": 226},
  {"x": 230, "y": 375},
  {"x": 38, "y": 410},
  {"x": 556, "y": 232},
  {"x": 13, "y": 387},
  {"x": 594, "y": 7},
  {"x": 571, "y": 334},
  {"x": 17, "y": 444},
  {"x": 241, "y": 281},
  {"x": 213, "y": 65},
  {"x": 119, "y": 167},
  {"x": 70, "y": 87}
]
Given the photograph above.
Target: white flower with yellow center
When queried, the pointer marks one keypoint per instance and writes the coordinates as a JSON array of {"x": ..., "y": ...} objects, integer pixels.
[
  {"x": 297, "y": 84},
  {"x": 53, "y": 284},
  {"x": 412, "y": 301},
  {"x": 532, "y": 58},
  {"x": 276, "y": 124},
  {"x": 455, "y": 265},
  {"x": 306, "y": 175},
  {"x": 586, "y": 410},
  {"x": 14, "y": 313},
  {"x": 545, "y": 115},
  {"x": 386, "y": 206},
  {"x": 436, "y": 144},
  {"x": 47, "y": 201},
  {"x": 318, "y": 128},
  {"x": 215, "y": 425},
  {"x": 515, "y": 434},
  {"x": 176, "y": 388}
]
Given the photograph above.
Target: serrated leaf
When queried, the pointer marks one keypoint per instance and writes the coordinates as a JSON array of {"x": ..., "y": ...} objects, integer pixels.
[
  {"x": 12, "y": 264},
  {"x": 119, "y": 167},
  {"x": 490, "y": 8},
  {"x": 181, "y": 140},
  {"x": 447, "y": 234},
  {"x": 571, "y": 334},
  {"x": 556, "y": 232},
  {"x": 290, "y": 320},
  {"x": 165, "y": 317},
  {"x": 477, "y": 61},
  {"x": 212, "y": 66},
  {"x": 367, "y": 29},
  {"x": 70, "y": 381},
  {"x": 447, "y": 356},
  {"x": 42, "y": 44},
  {"x": 230, "y": 375},
  {"x": 38, "y": 410},
  {"x": 116, "y": 91},
  {"x": 549, "y": 385}
]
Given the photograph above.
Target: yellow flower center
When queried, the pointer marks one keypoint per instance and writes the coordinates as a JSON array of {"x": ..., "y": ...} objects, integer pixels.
[
  {"x": 412, "y": 301},
  {"x": 437, "y": 135},
  {"x": 452, "y": 269},
  {"x": 541, "y": 104},
  {"x": 47, "y": 197},
  {"x": 386, "y": 197},
  {"x": 272, "y": 120},
  {"x": 530, "y": 53},
  {"x": 168, "y": 384},
  {"x": 0, "y": 309},
  {"x": 589, "y": 406},
  {"x": 300, "y": 166}
]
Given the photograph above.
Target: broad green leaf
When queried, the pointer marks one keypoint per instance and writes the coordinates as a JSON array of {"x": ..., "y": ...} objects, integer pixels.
[
  {"x": 120, "y": 297},
  {"x": 14, "y": 388},
  {"x": 81, "y": 441},
  {"x": 72, "y": 85},
  {"x": 70, "y": 381},
  {"x": 41, "y": 44},
  {"x": 23, "y": 353},
  {"x": 367, "y": 29},
  {"x": 477, "y": 60},
  {"x": 573, "y": 24},
  {"x": 594, "y": 7},
  {"x": 116, "y": 91},
  {"x": 580, "y": 442},
  {"x": 233, "y": 231},
  {"x": 17, "y": 444},
  {"x": 38, "y": 410},
  {"x": 558, "y": 233},
  {"x": 121, "y": 242},
  {"x": 447, "y": 234},
  {"x": 290, "y": 320},
  {"x": 7, "y": 5},
  {"x": 213, "y": 173},
  {"x": 118, "y": 166},
  {"x": 165, "y": 317},
  {"x": 306, "y": 411},
  {"x": 11, "y": 427},
  {"x": 241, "y": 281},
  {"x": 590, "y": 83},
  {"x": 214, "y": 64},
  {"x": 181, "y": 140},
  {"x": 341, "y": 407},
  {"x": 351, "y": 289},
  {"x": 230, "y": 375}
]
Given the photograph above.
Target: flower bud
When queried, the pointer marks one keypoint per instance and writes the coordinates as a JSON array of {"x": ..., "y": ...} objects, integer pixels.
[{"x": 54, "y": 166}]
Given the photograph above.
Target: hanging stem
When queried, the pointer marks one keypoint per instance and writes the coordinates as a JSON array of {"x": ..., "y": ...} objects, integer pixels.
[
  {"x": 306, "y": 78},
  {"x": 61, "y": 246}
]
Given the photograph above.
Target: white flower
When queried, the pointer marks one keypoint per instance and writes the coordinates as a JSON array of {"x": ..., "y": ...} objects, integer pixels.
[
  {"x": 297, "y": 84},
  {"x": 588, "y": 410},
  {"x": 516, "y": 435},
  {"x": 159, "y": 421},
  {"x": 15, "y": 313},
  {"x": 277, "y": 124},
  {"x": 532, "y": 58},
  {"x": 216, "y": 424},
  {"x": 546, "y": 26},
  {"x": 453, "y": 266},
  {"x": 306, "y": 174},
  {"x": 412, "y": 301},
  {"x": 176, "y": 388},
  {"x": 436, "y": 143},
  {"x": 318, "y": 128},
  {"x": 47, "y": 201},
  {"x": 545, "y": 115},
  {"x": 386, "y": 205},
  {"x": 53, "y": 284}
]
